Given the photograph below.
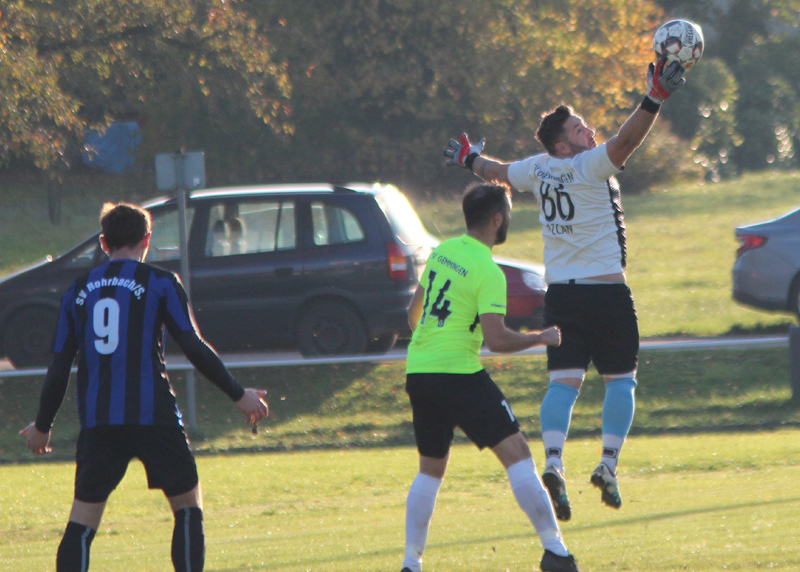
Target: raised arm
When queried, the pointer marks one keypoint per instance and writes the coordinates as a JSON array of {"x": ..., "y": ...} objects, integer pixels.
[
  {"x": 662, "y": 81},
  {"x": 466, "y": 155}
]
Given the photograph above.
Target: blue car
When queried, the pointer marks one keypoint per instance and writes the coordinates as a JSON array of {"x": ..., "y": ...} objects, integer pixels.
[{"x": 766, "y": 273}]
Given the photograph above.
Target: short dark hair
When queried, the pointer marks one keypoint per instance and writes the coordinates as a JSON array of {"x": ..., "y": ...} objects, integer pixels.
[
  {"x": 551, "y": 129},
  {"x": 123, "y": 225},
  {"x": 481, "y": 201}
]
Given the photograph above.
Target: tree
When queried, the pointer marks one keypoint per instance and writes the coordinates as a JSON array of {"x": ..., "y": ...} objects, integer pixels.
[
  {"x": 758, "y": 40},
  {"x": 704, "y": 115},
  {"x": 64, "y": 65},
  {"x": 769, "y": 116},
  {"x": 733, "y": 25},
  {"x": 380, "y": 85}
]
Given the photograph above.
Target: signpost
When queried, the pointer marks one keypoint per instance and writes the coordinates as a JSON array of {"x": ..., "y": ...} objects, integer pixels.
[{"x": 183, "y": 172}]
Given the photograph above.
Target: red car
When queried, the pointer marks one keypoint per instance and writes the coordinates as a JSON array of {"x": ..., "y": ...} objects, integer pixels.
[{"x": 526, "y": 288}]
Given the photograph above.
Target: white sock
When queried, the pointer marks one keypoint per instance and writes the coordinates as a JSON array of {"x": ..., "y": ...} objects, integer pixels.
[
  {"x": 535, "y": 503},
  {"x": 612, "y": 444},
  {"x": 419, "y": 510},
  {"x": 553, "y": 442}
]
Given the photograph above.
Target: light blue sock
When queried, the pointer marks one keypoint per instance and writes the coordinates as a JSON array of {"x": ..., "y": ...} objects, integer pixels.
[
  {"x": 554, "y": 417},
  {"x": 618, "y": 408}
]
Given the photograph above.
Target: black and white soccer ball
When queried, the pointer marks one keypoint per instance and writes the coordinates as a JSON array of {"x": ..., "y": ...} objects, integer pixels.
[{"x": 679, "y": 40}]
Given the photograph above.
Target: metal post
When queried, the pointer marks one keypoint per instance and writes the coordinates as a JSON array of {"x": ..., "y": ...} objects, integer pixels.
[
  {"x": 180, "y": 175},
  {"x": 794, "y": 362}
]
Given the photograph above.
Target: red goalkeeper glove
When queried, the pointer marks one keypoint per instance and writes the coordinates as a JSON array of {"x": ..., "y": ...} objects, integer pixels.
[{"x": 462, "y": 152}]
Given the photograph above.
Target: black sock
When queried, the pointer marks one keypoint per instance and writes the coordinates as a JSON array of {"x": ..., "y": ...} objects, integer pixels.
[
  {"x": 188, "y": 541},
  {"x": 73, "y": 552}
]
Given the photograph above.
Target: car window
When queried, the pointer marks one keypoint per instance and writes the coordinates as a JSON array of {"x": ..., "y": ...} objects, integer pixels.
[
  {"x": 334, "y": 225},
  {"x": 404, "y": 220},
  {"x": 252, "y": 227},
  {"x": 85, "y": 257},
  {"x": 165, "y": 243}
]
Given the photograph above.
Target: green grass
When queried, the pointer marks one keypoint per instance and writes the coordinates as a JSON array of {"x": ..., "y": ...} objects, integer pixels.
[
  {"x": 713, "y": 502},
  {"x": 365, "y": 405},
  {"x": 27, "y": 234}
]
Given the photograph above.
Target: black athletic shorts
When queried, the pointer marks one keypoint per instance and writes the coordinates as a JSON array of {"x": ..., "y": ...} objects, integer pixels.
[
  {"x": 440, "y": 402},
  {"x": 104, "y": 452},
  {"x": 598, "y": 324}
]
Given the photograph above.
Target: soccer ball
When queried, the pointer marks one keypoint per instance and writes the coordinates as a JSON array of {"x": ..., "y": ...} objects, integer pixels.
[{"x": 679, "y": 40}]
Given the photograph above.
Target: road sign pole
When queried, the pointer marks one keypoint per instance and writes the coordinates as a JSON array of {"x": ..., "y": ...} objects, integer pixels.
[
  {"x": 186, "y": 278},
  {"x": 794, "y": 362},
  {"x": 180, "y": 171}
]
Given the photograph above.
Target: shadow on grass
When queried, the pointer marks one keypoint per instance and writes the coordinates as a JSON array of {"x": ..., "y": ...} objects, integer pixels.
[{"x": 364, "y": 405}]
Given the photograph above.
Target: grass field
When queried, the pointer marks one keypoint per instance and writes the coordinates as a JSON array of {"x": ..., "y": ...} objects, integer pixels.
[
  {"x": 704, "y": 502},
  {"x": 365, "y": 405},
  {"x": 709, "y": 476}
]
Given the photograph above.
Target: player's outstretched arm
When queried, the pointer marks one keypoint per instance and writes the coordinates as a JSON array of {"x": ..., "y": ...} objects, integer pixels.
[
  {"x": 464, "y": 154},
  {"x": 500, "y": 339},
  {"x": 253, "y": 405},
  {"x": 662, "y": 81}
]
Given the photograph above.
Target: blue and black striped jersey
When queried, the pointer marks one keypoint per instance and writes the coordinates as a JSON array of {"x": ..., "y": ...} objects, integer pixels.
[{"x": 113, "y": 320}]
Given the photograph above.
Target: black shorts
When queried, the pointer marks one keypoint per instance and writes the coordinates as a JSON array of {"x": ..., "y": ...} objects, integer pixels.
[
  {"x": 104, "y": 452},
  {"x": 441, "y": 402},
  {"x": 598, "y": 324}
]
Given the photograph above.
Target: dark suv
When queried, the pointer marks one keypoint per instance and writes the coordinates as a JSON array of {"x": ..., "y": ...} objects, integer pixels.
[{"x": 326, "y": 269}]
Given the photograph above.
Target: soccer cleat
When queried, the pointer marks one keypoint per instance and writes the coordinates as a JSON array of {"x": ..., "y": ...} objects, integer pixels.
[
  {"x": 551, "y": 562},
  {"x": 406, "y": 570},
  {"x": 553, "y": 479},
  {"x": 606, "y": 481}
]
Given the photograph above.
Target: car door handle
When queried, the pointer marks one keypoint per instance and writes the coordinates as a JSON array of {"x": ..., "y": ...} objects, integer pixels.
[{"x": 285, "y": 271}]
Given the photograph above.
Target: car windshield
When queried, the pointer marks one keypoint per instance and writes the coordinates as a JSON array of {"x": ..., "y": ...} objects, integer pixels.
[{"x": 404, "y": 220}]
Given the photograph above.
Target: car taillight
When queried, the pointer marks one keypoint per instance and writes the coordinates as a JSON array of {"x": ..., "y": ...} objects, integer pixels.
[
  {"x": 398, "y": 263},
  {"x": 749, "y": 242}
]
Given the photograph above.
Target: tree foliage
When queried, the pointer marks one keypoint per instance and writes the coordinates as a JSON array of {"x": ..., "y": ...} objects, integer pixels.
[
  {"x": 759, "y": 41},
  {"x": 379, "y": 86},
  {"x": 65, "y": 64}
]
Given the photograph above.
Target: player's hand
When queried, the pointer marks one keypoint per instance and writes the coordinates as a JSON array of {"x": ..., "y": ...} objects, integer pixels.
[
  {"x": 551, "y": 336},
  {"x": 253, "y": 405},
  {"x": 461, "y": 150},
  {"x": 38, "y": 442},
  {"x": 663, "y": 80}
]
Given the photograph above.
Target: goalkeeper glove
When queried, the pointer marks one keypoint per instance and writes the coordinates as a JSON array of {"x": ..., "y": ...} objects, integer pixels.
[
  {"x": 462, "y": 152},
  {"x": 662, "y": 81}
]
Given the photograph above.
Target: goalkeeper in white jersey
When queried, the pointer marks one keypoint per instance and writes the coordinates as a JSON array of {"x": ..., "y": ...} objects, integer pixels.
[{"x": 583, "y": 228}]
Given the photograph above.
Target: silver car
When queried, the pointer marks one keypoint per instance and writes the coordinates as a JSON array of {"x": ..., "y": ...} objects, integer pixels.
[{"x": 766, "y": 273}]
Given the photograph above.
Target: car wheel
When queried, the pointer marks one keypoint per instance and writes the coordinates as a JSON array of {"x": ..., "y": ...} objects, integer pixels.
[
  {"x": 330, "y": 329},
  {"x": 28, "y": 337},
  {"x": 382, "y": 344}
]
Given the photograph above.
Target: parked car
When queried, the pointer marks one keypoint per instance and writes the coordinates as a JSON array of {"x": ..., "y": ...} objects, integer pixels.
[
  {"x": 323, "y": 268},
  {"x": 766, "y": 273}
]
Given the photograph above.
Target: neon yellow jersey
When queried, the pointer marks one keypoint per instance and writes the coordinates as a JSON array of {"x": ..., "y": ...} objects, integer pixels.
[{"x": 461, "y": 282}]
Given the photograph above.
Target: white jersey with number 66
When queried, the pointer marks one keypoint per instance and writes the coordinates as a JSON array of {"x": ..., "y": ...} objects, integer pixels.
[{"x": 582, "y": 220}]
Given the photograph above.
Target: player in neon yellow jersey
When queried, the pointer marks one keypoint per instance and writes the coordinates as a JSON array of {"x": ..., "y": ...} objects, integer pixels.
[{"x": 459, "y": 304}]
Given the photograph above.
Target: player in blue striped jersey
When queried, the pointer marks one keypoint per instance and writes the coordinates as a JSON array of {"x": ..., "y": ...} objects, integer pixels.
[{"x": 113, "y": 320}]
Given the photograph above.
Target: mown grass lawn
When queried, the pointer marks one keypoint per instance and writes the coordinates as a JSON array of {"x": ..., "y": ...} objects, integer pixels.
[{"x": 702, "y": 502}]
